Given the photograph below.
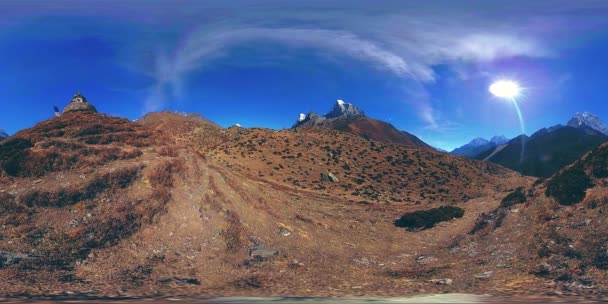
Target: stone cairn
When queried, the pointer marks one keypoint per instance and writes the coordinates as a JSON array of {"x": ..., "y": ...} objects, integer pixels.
[{"x": 79, "y": 104}]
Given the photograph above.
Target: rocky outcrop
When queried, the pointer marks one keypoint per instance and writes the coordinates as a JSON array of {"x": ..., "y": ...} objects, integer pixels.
[
  {"x": 340, "y": 111},
  {"x": 347, "y": 117}
]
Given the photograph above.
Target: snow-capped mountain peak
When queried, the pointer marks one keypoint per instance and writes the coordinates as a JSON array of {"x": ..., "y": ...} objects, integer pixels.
[
  {"x": 344, "y": 109},
  {"x": 341, "y": 110},
  {"x": 586, "y": 119}
]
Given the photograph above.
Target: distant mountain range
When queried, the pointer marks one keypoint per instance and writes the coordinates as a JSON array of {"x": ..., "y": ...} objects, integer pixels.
[
  {"x": 347, "y": 117},
  {"x": 549, "y": 149},
  {"x": 3, "y": 135},
  {"x": 479, "y": 145}
]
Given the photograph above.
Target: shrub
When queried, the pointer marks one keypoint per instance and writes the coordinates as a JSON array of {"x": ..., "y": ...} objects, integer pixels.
[
  {"x": 516, "y": 197},
  {"x": 56, "y": 156},
  {"x": 594, "y": 250},
  {"x": 569, "y": 186},
  {"x": 599, "y": 162},
  {"x": 162, "y": 175},
  {"x": 425, "y": 219},
  {"x": 12, "y": 147},
  {"x": 234, "y": 235},
  {"x": 168, "y": 151},
  {"x": 120, "y": 178},
  {"x": 12, "y": 153}
]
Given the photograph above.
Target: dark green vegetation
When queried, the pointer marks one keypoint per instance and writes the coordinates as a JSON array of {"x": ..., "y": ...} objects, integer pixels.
[
  {"x": 569, "y": 186},
  {"x": 546, "y": 153},
  {"x": 516, "y": 197},
  {"x": 425, "y": 219}
]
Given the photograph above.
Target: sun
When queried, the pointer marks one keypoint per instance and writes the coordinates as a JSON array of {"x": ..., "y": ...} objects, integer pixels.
[{"x": 505, "y": 89}]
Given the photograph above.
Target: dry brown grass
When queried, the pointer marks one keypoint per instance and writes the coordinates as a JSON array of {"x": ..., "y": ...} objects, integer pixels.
[
  {"x": 234, "y": 235},
  {"x": 115, "y": 179},
  {"x": 74, "y": 141},
  {"x": 162, "y": 175},
  {"x": 168, "y": 151}
]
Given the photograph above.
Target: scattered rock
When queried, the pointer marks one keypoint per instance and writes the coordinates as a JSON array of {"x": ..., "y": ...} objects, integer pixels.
[
  {"x": 284, "y": 231},
  {"x": 332, "y": 177},
  {"x": 484, "y": 275},
  {"x": 295, "y": 264},
  {"x": 441, "y": 281},
  {"x": 329, "y": 178},
  {"x": 543, "y": 269},
  {"x": 425, "y": 260},
  {"x": 260, "y": 253},
  {"x": 8, "y": 258},
  {"x": 364, "y": 261}
]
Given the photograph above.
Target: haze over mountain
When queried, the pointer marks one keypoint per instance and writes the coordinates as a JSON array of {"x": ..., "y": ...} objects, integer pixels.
[
  {"x": 347, "y": 117},
  {"x": 3, "y": 134},
  {"x": 549, "y": 149},
  {"x": 479, "y": 145}
]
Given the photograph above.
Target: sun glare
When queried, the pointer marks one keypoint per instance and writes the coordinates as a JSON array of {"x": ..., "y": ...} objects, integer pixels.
[{"x": 505, "y": 89}]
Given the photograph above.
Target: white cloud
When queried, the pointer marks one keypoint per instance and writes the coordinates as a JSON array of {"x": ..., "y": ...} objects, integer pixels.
[{"x": 406, "y": 41}]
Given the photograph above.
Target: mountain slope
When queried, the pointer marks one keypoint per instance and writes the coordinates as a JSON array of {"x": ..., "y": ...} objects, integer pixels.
[
  {"x": 175, "y": 205},
  {"x": 367, "y": 170},
  {"x": 346, "y": 117},
  {"x": 184, "y": 128},
  {"x": 3, "y": 134},
  {"x": 557, "y": 226},
  {"x": 546, "y": 152}
]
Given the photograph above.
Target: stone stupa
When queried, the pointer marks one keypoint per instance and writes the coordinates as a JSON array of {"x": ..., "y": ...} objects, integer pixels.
[{"x": 79, "y": 104}]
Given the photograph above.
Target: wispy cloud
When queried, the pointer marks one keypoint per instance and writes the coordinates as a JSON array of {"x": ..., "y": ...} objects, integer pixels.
[
  {"x": 405, "y": 46},
  {"x": 407, "y": 40}
]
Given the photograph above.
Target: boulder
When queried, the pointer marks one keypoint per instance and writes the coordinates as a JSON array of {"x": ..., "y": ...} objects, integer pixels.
[
  {"x": 260, "y": 253},
  {"x": 484, "y": 275},
  {"x": 441, "y": 281},
  {"x": 425, "y": 260},
  {"x": 332, "y": 177},
  {"x": 329, "y": 178}
]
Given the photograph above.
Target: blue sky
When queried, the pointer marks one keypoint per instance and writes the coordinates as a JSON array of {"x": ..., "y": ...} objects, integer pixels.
[{"x": 423, "y": 66}]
